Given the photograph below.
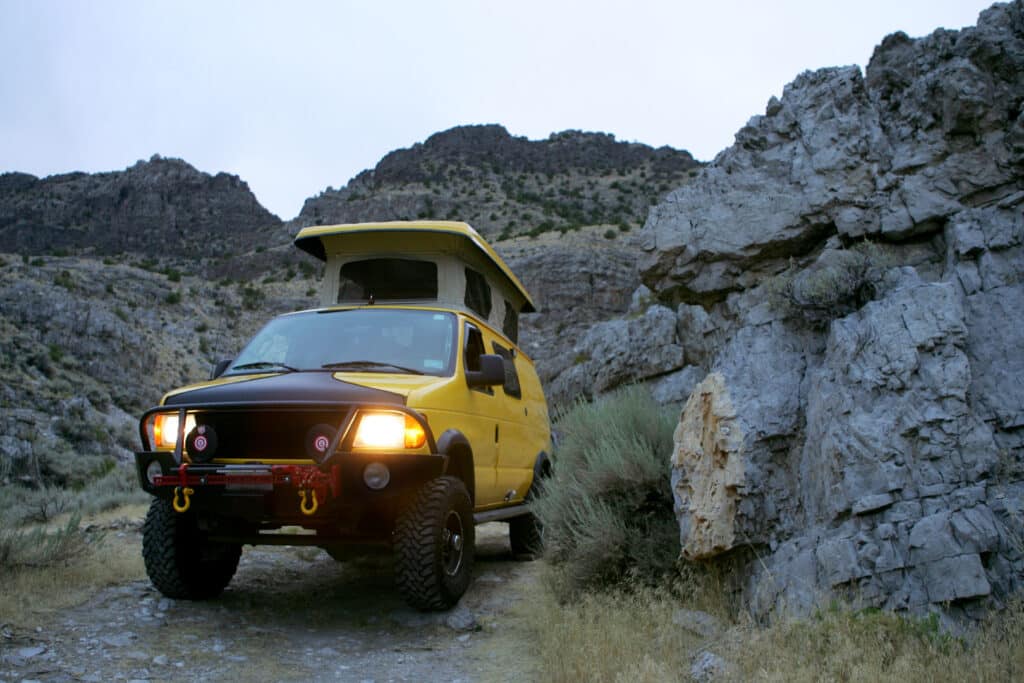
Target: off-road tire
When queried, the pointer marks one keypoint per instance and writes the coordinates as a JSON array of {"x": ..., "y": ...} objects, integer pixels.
[
  {"x": 524, "y": 535},
  {"x": 180, "y": 561},
  {"x": 430, "y": 573}
]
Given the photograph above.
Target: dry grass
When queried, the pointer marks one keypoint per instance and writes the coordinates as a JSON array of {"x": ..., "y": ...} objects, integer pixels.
[
  {"x": 844, "y": 645},
  {"x": 28, "y": 593},
  {"x": 617, "y": 636},
  {"x": 610, "y": 637}
]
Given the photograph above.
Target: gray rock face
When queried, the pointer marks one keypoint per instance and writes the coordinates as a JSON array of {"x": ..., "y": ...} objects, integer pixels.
[
  {"x": 617, "y": 351},
  {"x": 776, "y": 193},
  {"x": 862, "y": 425},
  {"x": 891, "y": 154}
]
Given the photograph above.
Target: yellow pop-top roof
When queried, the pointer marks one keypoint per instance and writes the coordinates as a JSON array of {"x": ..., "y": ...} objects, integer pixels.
[{"x": 310, "y": 240}]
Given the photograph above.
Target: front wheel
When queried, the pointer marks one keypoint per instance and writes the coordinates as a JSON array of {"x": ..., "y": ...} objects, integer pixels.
[
  {"x": 435, "y": 544},
  {"x": 181, "y": 561}
]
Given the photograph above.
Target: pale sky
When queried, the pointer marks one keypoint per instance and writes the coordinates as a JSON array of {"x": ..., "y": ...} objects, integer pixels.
[{"x": 298, "y": 96}]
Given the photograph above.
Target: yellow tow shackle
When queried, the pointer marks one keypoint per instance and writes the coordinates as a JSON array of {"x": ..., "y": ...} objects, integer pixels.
[
  {"x": 185, "y": 500},
  {"x": 308, "y": 508}
]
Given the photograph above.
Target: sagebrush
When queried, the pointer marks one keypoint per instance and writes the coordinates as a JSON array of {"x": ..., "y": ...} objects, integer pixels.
[{"x": 607, "y": 507}]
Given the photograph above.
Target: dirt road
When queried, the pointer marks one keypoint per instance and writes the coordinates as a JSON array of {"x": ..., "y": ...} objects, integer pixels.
[{"x": 290, "y": 614}]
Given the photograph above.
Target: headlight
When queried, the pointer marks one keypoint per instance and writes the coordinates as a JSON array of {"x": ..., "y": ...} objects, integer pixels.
[
  {"x": 389, "y": 430},
  {"x": 164, "y": 431}
]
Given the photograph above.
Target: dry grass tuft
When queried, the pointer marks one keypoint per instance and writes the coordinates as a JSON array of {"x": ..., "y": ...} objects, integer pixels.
[
  {"x": 611, "y": 636},
  {"x": 34, "y": 588},
  {"x": 846, "y": 645}
]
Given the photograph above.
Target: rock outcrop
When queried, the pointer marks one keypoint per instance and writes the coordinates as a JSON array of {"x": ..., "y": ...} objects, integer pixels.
[
  {"x": 849, "y": 278},
  {"x": 154, "y": 208}
]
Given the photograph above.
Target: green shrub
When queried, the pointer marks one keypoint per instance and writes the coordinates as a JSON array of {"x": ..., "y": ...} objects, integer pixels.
[
  {"x": 607, "y": 507},
  {"x": 20, "y": 504},
  {"x": 252, "y": 297},
  {"x": 56, "y": 353},
  {"x": 173, "y": 298},
  {"x": 64, "y": 279},
  {"x": 835, "y": 285}
]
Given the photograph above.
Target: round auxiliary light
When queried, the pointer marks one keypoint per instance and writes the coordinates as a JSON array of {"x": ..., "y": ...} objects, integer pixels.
[
  {"x": 153, "y": 470},
  {"x": 201, "y": 443},
  {"x": 318, "y": 440},
  {"x": 376, "y": 475}
]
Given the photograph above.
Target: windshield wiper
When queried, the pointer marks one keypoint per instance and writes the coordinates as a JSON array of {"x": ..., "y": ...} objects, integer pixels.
[
  {"x": 371, "y": 365},
  {"x": 264, "y": 364}
]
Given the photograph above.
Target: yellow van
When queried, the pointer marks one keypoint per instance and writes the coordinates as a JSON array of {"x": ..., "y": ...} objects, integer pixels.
[{"x": 400, "y": 413}]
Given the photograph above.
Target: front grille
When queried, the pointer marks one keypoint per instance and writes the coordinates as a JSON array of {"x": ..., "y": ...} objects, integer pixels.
[{"x": 267, "y": 434}]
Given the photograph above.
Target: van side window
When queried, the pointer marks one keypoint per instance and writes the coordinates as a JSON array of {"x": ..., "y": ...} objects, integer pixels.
[
  {"x": 478, "y": 293},
  {"x": 511, "y": 385},
  {"x": 511, "y": 324},
  {"x": 474, "y": 348}
]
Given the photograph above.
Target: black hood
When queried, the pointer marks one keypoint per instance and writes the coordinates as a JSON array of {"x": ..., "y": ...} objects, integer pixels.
[{"x": 292, "y": 388}]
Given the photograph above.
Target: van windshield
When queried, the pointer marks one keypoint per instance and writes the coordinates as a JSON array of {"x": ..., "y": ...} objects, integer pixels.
[{"x": 356, "y": 340}]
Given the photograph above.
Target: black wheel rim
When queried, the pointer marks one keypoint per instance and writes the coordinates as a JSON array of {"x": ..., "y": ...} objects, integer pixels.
[{"x": 452, "y": 544}]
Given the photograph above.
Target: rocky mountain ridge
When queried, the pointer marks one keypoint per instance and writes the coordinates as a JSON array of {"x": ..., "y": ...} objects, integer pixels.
[
  {"x": 153, "y": 208},
  {"x": 506, "y": 185}
]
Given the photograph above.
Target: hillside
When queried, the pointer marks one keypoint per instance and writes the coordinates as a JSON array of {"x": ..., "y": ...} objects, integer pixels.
[{"x": 506, "y": 186}]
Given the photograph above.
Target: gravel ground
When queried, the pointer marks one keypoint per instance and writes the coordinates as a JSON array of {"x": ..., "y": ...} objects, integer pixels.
[{"x": 290, "y": 614}]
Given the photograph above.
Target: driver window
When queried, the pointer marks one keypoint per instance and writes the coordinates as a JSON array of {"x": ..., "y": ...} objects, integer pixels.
[{"x": 474, "y": 348}]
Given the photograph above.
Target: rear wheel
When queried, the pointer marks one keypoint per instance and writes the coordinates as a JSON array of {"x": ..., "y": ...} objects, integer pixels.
[
  {"x": 525, "y": 532},
  {"x": 524, "y": 535},
  {"x": 181, "y": 561},
  {"x": 435, "y": 545}
]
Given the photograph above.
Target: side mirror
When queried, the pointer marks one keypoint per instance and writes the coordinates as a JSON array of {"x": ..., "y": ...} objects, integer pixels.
[
  {"x": 491, "y": 372},
  {"x": 220, "y": 367}
]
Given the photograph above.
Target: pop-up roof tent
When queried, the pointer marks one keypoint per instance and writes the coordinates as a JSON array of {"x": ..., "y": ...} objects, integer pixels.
[{"x": 417, "y": 262}]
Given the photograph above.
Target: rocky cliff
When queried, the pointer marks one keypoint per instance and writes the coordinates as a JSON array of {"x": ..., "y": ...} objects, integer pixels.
[
  {"x": 847, "y": 283},
  {"x": 154, "y": 208}
]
